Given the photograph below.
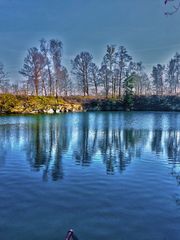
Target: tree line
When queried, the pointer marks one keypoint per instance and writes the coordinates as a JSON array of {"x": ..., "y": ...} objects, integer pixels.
[{"x": 44, "y": 74}]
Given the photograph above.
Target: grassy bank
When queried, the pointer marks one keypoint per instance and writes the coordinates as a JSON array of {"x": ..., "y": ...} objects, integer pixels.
[
  {"x": 28, "y": 104},
  {"x": 15, "y": 104}
]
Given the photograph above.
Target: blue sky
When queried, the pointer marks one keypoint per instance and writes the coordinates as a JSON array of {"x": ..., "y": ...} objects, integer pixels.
[{"x": 88, "y": 25}]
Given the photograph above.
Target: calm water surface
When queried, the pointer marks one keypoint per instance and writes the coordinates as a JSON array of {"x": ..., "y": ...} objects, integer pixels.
[{"x": 107, "y": 175}]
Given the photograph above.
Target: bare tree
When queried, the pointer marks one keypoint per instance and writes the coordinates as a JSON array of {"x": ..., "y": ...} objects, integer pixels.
[
  {"x": 4, "y": 81},
  {"x": 66, "y": 82},
  {"x": 81, "y": 69},
  {"x": 94, "y": 75},
  {"x": 104, "y": 73},
  {"x": 109, "y": 60},
  {"x": 32, "y": 69},
  {"x": 158, "y": 79},
  {"x": 48, "y": 75},
  {"x": 123, "y": 59},
  {"x": 173, "y": 74},
  {"x": 56, "y": 54},
  {"x": 140, "y": 85}
]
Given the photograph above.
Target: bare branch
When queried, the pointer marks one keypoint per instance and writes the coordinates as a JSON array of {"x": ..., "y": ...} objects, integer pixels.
[{"x": 175, "y": 8}]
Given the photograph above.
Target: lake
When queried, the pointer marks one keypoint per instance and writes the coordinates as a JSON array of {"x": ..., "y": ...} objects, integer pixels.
[{"x": 107, "y": 175}]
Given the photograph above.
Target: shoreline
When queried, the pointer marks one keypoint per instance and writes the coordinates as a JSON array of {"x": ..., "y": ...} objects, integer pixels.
[{"x": 17, "y": 104}]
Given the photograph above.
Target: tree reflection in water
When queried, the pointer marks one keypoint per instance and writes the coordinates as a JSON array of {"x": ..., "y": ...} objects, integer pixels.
[
  {"x": 4, "y": 141},
  {"x": 49, "y": 140}
]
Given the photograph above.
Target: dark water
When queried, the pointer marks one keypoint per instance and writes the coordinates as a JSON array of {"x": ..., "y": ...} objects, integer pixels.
[{"x": 106, "y": 175}]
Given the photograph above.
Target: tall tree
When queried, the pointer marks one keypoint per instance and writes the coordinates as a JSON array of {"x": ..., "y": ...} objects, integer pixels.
[
  {"x": 158, "y": 81},
  {"x": 109, "y": 60},
  {"x": 4, "y": 81},
  {"x": 123, "y": 60},
  {"x": 142, "y": 81},
  {"x": 104, "y": 73},
  {"x": 129, "y": 85},
  {"x": 81, "y": 66},
  {"x": 174, "y": 73},
  {"x": 66, "y": 82},
  {"x": 32, "y": 69},
  {"x": 56, "y": 54},
  {"x": 171, "y": 76},
  {"x": 94, "y": 76},
  {"x": 44, "y": 47}
]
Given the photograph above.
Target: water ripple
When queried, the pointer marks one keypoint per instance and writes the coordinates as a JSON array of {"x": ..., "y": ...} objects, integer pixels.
[{"x": 107, "y": 175}]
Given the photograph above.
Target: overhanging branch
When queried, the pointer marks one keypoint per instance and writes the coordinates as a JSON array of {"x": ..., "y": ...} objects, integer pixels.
[{"x": 175, "y": 7}]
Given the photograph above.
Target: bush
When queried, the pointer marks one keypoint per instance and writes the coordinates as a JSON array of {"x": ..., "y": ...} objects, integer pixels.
[{"x": 7, "y": 103}]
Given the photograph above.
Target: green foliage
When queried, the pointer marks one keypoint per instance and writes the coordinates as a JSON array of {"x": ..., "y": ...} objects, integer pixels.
[{"x": 129, "y": 84}]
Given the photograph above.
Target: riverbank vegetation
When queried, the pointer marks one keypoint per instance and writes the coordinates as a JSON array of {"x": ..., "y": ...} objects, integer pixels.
[
  {"x": 46, "y": 83},
  {"x": 21, "y": 104}
]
